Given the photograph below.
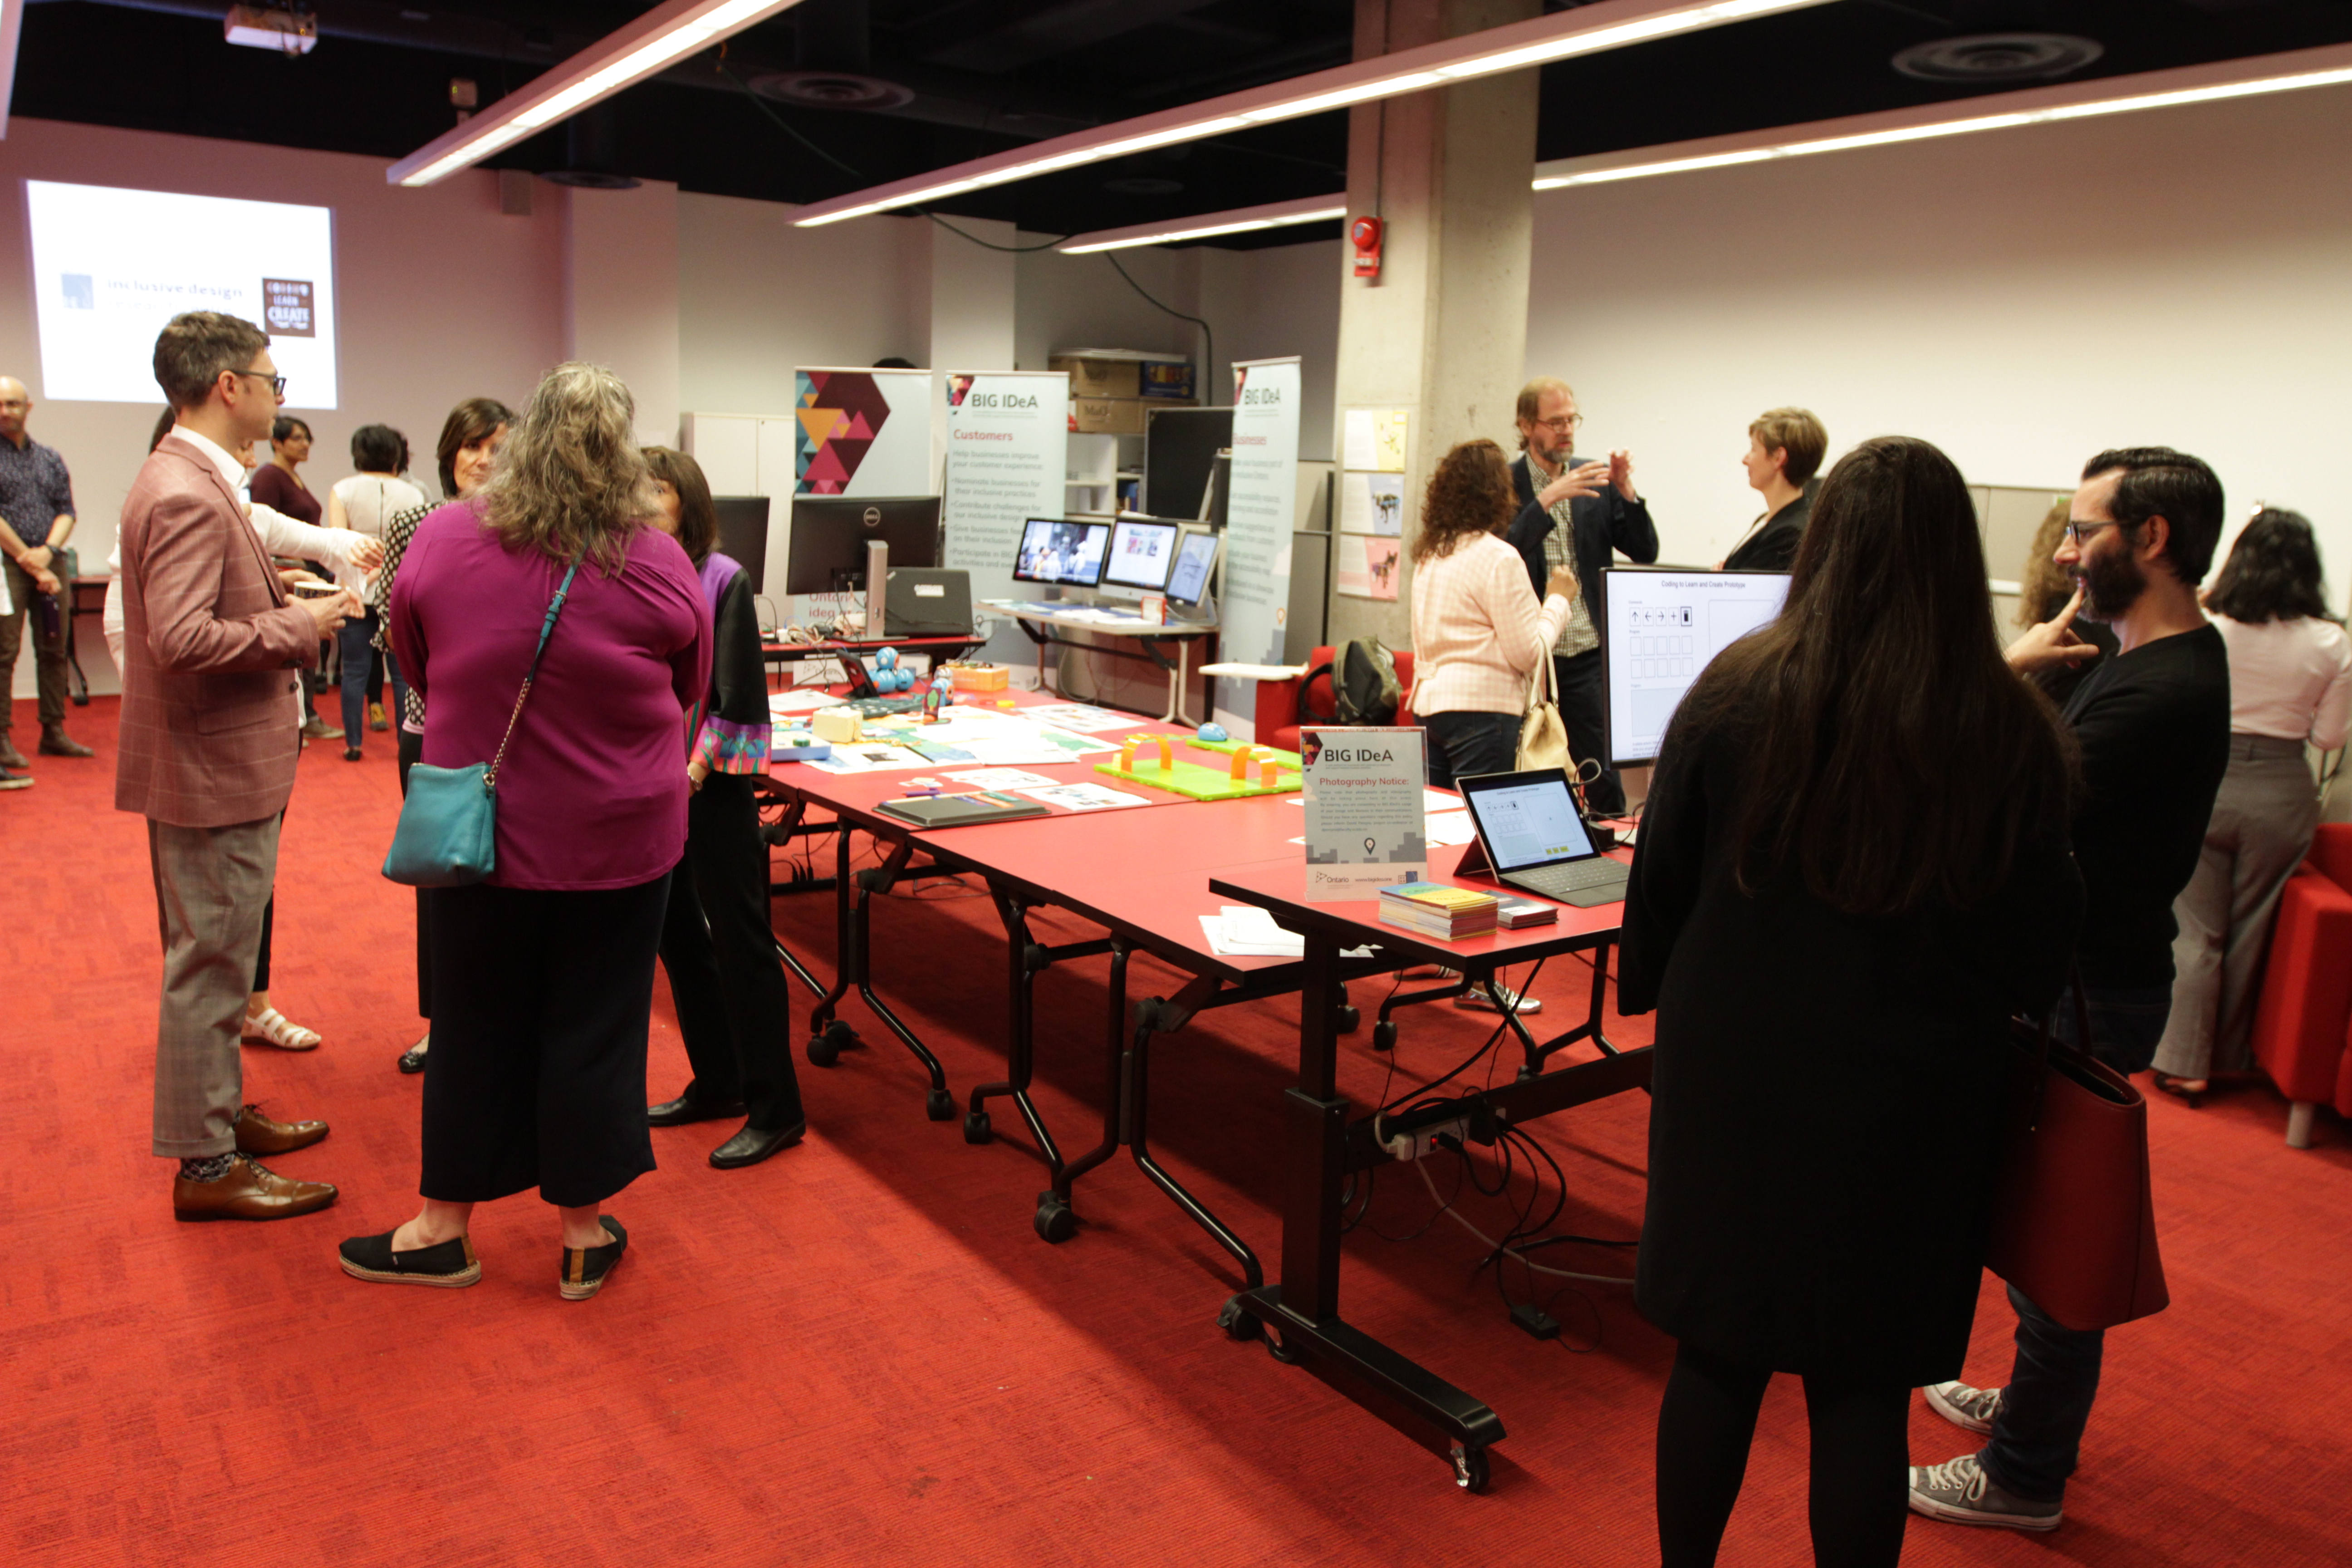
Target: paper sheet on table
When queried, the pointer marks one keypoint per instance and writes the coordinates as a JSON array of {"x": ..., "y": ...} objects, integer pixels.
[
  {"x": 1079, "y": 718},
  {"x": 1002, "y": 778},
  {"x": 1245, "y": 931},
  {"x": 1082, "y": 796},
  {"x": 866, "y": 757},
  {"x": 801, "y": 700},
  {"x": 1448, "y": 827}
]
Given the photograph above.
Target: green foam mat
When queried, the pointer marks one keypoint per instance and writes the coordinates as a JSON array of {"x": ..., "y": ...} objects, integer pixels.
[
  {"x": 1193, "y": 780},
  {"x": 1290, "y": 760}
]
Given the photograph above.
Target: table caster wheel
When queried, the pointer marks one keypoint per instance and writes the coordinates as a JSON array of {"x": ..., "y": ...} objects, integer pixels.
[
  {"x": 1470, "y": 1468},
  {"x": 1349, "y": 1017},
  {"x": 1385, "y": 1034},
  {"x": 976, "y": 1129},
  {"x": 1056, "y": 1222},
  {"x": 940, "y": 1105},
  {"x": 1237, "y": 1322},
  {"x": 824, "y": 1046}
]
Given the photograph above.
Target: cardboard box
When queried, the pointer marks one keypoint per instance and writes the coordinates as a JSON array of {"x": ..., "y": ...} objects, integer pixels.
[
  {"x": 1168, "y": 381},
  {"x": 1107, "y": 415},
  {"x": 981, "y": 678},
  {"x": 1099, "y": 377}
]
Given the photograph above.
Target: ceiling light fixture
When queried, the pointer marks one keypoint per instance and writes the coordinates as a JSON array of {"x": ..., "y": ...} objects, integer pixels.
[
  {"x": 1587, "y": 29},
  {"x": 654, "y": 42},
  {"x": 1274, "y": 214},
  {"x": 2260, "y": 75}
]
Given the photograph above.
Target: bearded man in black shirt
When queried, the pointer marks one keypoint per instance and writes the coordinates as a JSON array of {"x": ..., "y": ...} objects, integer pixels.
[{"x": 2153, "y": 723}]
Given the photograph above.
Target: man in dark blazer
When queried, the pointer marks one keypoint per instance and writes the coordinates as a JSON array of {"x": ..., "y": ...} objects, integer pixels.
[
  {"x": 207, "y": 747},
  {"x": 1598, "y": 501}
]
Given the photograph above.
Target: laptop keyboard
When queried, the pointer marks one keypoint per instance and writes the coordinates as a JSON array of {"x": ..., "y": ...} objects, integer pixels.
[{"x": 1576, "y": 877}]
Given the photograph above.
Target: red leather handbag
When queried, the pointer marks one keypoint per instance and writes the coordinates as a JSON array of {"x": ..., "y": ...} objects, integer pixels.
[{"x": 2073, "y": 1224}]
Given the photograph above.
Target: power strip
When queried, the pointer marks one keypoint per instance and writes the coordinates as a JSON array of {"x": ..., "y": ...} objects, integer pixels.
[{"x": 1423, "y": 1141}]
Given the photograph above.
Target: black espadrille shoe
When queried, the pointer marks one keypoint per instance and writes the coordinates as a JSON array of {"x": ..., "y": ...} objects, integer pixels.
[
  {"x": 585, "y": 1268},
  {"x": 451, "y": 1265}
]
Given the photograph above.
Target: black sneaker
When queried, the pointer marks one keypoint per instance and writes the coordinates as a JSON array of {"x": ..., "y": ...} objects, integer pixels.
[
  {"x": 585, "y": 1268},
  {"x": 451, "y": 1265}
]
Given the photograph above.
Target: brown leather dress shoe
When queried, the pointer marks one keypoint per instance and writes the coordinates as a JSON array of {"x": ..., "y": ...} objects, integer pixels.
[
  {"x": 251, "y": 1191},
  {"x": 257, "y": 1134}
]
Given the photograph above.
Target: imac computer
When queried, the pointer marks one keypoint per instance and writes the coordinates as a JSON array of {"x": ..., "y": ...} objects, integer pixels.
[
  {"x": 1141, "y": 551},
  {"x": 825, "y": 553},
  {"x": 1061, "y": 554},
  {"x": 1196, "y": 571},
  {"x": 1664, "y": 626}
]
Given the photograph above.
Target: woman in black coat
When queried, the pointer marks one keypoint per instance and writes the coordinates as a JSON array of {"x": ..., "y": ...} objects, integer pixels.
[{"x": 1853, "y": 870}]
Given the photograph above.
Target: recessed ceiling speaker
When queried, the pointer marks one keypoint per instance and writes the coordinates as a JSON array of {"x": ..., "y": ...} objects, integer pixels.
[
  {"x": 1998, "y": 57},
  {"x": 831, "y": 89}
]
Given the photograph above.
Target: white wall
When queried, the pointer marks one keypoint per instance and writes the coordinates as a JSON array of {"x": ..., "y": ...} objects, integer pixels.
[
  {"x": 2021, "y": 297},
  {"x": 441, "y": 298}
]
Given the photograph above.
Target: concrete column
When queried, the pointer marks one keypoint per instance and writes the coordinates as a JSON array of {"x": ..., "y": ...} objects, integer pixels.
[
  {"x": 620, "y": 294},
  {"x": 1442, "y": 332}
]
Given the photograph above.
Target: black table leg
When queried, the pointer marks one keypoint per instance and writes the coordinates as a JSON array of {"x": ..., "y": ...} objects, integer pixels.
[
  {"x": 938, "y": 1104},
  {"x": 830, "y": 1035},
  {"x": 1026, "y": 958},
  {"x": 1302, "y": 1310}
]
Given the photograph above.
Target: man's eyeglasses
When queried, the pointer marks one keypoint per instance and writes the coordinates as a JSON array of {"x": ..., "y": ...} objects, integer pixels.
[
  {"x": 1565, "y": 423},
  {"x": 277, "y": 383},
  {"x": 2077, "y": 532}
]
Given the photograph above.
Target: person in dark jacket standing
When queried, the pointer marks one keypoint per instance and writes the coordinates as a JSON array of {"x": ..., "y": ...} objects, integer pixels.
[
  {"x": 1785, "y": 447},
  {"x": 1852, "y": 872},
  {"x": 1575, "y": 514},
  {"x": 2153, "y": 722},
  {"x": 734, "y": 1007}
]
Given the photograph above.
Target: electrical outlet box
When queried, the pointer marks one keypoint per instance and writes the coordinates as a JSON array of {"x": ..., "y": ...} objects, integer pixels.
[{"x": 1420, "y": 1142}]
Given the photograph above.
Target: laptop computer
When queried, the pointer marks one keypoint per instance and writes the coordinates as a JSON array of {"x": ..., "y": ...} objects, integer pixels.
[
  {"x": 927, "y": 600},
  {"x": 1531, "y": 837}
]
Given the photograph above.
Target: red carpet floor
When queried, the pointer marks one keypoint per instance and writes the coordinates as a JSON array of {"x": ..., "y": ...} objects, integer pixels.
[{"x": 859, "y": 1353}]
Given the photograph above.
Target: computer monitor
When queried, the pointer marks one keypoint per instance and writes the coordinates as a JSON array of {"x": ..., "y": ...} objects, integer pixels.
[
  {"x": 1055, "y": 550},
  {"x": 743, "y": 534},
  {"x": 1663, "y": 629},
  {"x": 1140, "y": 555},
  {"x": 825, "y": 553},
  {"x": 1195, "y": 569}
]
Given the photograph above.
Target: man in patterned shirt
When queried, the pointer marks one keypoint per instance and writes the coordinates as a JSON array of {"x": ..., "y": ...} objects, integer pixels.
[
  {"x": 36, "y": 504},
  {"x": 1577, "y": 515}
]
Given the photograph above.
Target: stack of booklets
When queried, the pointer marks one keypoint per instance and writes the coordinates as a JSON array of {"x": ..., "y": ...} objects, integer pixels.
[{"x": 1437, "y": 910}]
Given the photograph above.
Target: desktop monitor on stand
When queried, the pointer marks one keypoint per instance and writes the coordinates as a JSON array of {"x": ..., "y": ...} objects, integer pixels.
[
  {"x": 1192, "y": 579},
  {"x": 1141, "y": 551},
  {"x": 1061, "y": 554},
  {"x": 825, "y": 553}
]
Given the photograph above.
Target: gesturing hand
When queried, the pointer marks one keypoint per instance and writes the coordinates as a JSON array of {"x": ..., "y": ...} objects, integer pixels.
[
  {"x": 2052, "y": 644},
  {"x": 1584, "y": 480}
]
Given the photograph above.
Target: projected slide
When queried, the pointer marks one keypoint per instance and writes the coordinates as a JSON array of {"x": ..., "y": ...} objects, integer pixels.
[
  {"x": 110, "y": 267},
  {"x": 1663, "y": 627}
]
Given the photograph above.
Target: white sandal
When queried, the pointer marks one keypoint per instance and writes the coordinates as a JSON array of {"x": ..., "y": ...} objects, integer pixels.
[{"x": 271, "y": 1027}]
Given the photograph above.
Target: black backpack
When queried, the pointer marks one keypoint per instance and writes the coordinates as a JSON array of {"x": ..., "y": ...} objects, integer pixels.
[{"x": 1365, "y": 685}]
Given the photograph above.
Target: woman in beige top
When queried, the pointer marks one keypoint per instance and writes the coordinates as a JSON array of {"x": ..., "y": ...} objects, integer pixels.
[{"x": 1477, "y": 632}]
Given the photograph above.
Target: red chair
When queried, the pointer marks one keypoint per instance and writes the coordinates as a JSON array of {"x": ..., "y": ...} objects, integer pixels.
[
  {"x": 1279, "y": 709},
  {"x": 2302, "y": 1021}
]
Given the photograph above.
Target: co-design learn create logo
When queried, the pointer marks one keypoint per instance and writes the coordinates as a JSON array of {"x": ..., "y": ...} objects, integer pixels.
[{"x": 288, "y": 308}]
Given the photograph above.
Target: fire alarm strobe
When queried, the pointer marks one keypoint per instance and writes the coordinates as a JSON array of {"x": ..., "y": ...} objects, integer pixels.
[{"x": 1366, "y": 234}]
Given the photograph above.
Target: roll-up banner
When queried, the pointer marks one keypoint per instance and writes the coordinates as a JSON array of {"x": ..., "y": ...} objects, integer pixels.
[
  {"x": 1008, "y": 435},
  {"x": 862, "y": 433},
  {"x": 1261, "y": 514}
]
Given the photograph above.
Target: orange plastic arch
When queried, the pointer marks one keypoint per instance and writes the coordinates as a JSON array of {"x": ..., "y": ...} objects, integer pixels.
[{"x": 1127, "y": 753}]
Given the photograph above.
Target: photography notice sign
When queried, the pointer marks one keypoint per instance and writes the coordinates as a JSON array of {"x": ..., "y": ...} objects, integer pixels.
[{"x": 1364, "y": 827}]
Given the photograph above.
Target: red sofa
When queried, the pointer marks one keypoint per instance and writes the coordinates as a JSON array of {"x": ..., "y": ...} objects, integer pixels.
[
  {"x": 2304, "y": 1013},
  {"x": 1278, "y": 707}
]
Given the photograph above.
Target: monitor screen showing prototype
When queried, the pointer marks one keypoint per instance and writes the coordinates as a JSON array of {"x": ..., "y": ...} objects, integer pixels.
[
  {"x": 1056, "y": 550},
  {"x": 826, "y": 550},
  {"x": 1663, "y": 627},
  {"x": 1140, "y": 555},
  {"x": 1196, "y": 562}
]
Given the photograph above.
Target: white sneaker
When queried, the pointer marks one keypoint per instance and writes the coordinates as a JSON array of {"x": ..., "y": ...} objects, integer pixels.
[
  {"x": 1971, "y": 1409},
  {"x": 1958, "y": 1490},
  {"x": 1476, "y": 999}
]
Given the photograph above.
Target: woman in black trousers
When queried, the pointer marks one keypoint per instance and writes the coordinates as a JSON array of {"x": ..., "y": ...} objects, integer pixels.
[
  {"x": 1853, "y": 870},
  {"x": 734, "y": 1006}
]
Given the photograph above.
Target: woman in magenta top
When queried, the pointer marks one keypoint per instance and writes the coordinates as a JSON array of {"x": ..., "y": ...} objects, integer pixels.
[{"x": 542, "y": 974}]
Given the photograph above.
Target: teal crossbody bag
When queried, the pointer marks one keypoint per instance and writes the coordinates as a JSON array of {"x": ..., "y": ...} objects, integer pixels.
[{"x": 447, "y": 835}]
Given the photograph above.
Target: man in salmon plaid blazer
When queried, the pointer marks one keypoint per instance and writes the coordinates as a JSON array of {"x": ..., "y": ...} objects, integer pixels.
[{"x": 209, "y": 740}]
